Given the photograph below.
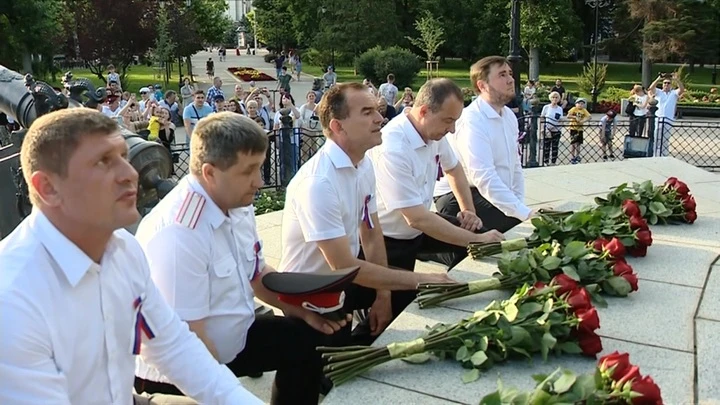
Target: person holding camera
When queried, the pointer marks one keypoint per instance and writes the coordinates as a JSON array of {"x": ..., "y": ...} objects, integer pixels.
[
  {"x": 667, "y": 99},
  {"x": 640, "y": 103}
]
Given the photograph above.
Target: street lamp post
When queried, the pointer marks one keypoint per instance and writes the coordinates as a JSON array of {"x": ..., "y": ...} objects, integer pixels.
[
  {"x": 515, "y": 57},
  {"x": 596, "y": 4}
]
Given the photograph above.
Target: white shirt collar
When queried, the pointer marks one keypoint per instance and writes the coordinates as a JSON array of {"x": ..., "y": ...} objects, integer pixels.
[
  {"x": 411, "y": 134},
  {"x": 73, "y": 262},
  {"x": 337, "y": 156},
  {"x": 487, "y": 109}
]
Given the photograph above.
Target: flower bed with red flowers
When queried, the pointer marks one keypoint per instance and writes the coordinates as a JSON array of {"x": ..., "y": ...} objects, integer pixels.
[
  {"x": 247, "y": 74},
  {"x": 605, "y": 106}
]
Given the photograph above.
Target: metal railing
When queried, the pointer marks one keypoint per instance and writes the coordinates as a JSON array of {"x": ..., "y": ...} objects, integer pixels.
[
  {"x": 695, "y": 142},
  {"x": 288, "y": 150}
]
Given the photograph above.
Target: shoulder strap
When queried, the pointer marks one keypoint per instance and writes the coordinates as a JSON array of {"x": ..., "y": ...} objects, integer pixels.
[{"x": 190, "y": 210}]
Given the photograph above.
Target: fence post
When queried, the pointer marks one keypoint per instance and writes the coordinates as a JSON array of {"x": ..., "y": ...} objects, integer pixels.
[
  {"x": 286, "y": 152},
  {"x": 533, "y": 129},
  {"x": 651, "y": 119}
]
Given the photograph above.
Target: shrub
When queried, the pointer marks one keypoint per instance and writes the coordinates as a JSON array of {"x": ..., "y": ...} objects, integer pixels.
[
  {"x": 615, "y": 94},
  {"x": 324, "y": 58},
  {"x": 269, "y": 201},
  {"x": 377, "y": 63},
  {"x": 270, "y": 57}
]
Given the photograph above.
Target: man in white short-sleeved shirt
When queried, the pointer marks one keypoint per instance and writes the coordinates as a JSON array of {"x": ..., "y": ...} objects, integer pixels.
[
  {"x": 77, "y": 299},
  {"x": 413, "y": 155},
  {"x": 206, "y": 258},
  {"x": 330, "y": 208},
  {"x": 485, "y": 142},
  {"x": 667, "y": 104}
]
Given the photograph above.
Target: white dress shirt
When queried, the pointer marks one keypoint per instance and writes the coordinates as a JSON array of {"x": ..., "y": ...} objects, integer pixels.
[
  {"x": 486, "y": 145},
  {"x": 406, "y": 169},
  {"x": 71, "y": 328},
  {"x": 328, "y": 198},
  {"x": 203, "y": 261},
  {"x": 667, "y": 103}
]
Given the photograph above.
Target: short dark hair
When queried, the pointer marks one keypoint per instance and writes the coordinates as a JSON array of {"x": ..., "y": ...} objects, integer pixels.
[
  {"x": 333, "y": 104},
  {"x": 198, "y": 91},
  {"x": 218, "y": 138},
  {"x": 391, "y": 77},
  {"x": 480, "y": 70},
  {"x": 435, "y": 91}
]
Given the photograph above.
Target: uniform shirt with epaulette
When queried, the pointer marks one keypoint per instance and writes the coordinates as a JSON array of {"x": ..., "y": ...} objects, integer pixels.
[{"x": 203, "y": 263}]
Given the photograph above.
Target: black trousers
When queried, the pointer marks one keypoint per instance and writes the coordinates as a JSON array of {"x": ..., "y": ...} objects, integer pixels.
[
  {"x": 401, "y": 255},
  {"x": 551, "y": 143},
  {"x": 491, "y": 217},
  {"x": 277, "y": 343}
]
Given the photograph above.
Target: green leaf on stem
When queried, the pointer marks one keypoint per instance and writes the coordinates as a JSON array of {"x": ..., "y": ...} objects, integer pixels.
[
  {"x": 491, "y": 399},
  {"x": 571, "y": 272},
  {"x": 521, "y": 351},
  {"x": 653, "y": 220},
  {"x": 596, "y": 298},
  {"x": 471, "y": 375},
  {"x": 547, "y": 342},
  {"x": 417, "y": 358},
  {"x": 462, "y": 354},
  {"x": 569, "y": 347},
  {"x": 584, "y": 386},
  {"x": 619, "y": 286},
  {"x": 657, "y": 207},
  {"x": 529, "y": 308},
  {"x": 539, "y": 377},
  {"x": 511, "y": 312},
  {"x": 565, "y": 382},
  {"x": 483, "y": 342},
  {"x": 575, "y": 249},
  {"x": 478, "y": 358},
  {"x": 519, "y": 335},
  {"x": 551, "y": 262},
  {"x": 548, "y": 305}
]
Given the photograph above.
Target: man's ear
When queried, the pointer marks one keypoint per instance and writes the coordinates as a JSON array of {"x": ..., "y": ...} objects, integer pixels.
[
  {"x": 209, "y": 173},
  {"x": 42, "y": 183},
  {"x": 423, "y": 110},
  {"x": 335, "y": 126}
]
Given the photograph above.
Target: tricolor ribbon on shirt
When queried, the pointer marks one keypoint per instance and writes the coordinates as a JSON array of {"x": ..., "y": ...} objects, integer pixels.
[
  {"x": 256, "y": 270},
  {"x": 142, "y": 325},
  {"x": 440, "y": 173},
  {"x": 366, "y": 212}
]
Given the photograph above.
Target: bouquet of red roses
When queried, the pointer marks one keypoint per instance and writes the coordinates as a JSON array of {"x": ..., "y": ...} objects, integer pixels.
[
  {"x": 615, "y": 381},
  {"x": 538, "y": 319},
  {"x": 600, "y": 266},
  {"x": 668, "y": 203},
  {"x": 586, "y": 226}
]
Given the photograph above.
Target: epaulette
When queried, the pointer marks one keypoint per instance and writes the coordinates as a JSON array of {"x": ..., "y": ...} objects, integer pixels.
[{"x": 190, "y": 211}]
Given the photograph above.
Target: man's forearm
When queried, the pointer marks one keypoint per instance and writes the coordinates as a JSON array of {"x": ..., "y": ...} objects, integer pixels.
[
  {"x": 198, "y": 327},
  {"x": 438, "y": 228},
  {"x": 461, "y": 188}
]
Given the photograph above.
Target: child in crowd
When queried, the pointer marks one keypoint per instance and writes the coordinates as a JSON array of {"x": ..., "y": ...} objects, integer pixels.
[
  {"x": 551, "y": 115},
  {"x": 607, "y": 133},
  {"x": 577, "y": 115}
]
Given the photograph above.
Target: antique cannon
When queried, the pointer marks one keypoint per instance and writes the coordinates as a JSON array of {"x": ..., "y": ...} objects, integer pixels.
[{"x": 26, "y": 99}]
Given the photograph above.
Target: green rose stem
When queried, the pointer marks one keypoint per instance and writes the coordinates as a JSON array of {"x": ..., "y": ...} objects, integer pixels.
[
  {"x": 480, "y": 250},
  {"x": 433, "y": 294}
]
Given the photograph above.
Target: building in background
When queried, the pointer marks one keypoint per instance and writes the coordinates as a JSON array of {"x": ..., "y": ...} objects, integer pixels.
[{"x": 237, "y": 9}]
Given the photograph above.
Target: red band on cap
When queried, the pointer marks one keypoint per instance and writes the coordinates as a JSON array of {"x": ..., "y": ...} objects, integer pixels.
[{"x": 320, "y": 300}]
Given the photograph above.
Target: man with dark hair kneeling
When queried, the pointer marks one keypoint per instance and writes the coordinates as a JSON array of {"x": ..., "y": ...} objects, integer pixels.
[{"x": 207, "y": 260}]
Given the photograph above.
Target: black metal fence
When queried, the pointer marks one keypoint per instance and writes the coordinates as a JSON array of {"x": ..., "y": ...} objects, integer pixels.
[
  {"x": 288, "y": 150},
  {"x": 695, "y": 142}
]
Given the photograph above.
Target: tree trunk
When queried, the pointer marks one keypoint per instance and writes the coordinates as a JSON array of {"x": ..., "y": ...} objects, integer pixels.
[
  {"x": 534, "y": 64},
  {"x": 27, "y": 62},
  {"x": 188, "y": 63},
  {"x": 646, "y": 70}
]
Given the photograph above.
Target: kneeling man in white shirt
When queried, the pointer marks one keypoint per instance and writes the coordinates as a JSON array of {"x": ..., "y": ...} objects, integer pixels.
[
  {"x": 413, "y": 155},
  {"x": 78, "y": 304}
]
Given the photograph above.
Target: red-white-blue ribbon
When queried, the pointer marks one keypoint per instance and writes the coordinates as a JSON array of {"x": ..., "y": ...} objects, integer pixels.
[
  {"x": 440, "y": 173},
  {"x": 366, "y": 212},
  {"x": 256, "y": 270},
  {"x": 142, "y": 325}
]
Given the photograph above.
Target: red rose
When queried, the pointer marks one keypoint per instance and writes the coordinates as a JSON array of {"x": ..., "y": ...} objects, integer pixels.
[
  {"x": 671, "y": 181},
  {"x": 615, "y": 248},
  {"x": 579, "y": 299},
  {"x": 644, "y": 237},
  {"x": 638, "y": 251},
  {"x": 632, "y": 279},
  {"x": 638, "y": 223},
  {"x": 689, "y": 203},
  {"x": 632, "y": 373},
  {"x": 590, "y": 344},
  {"x": 690, "y": 217},
  {"x": 649, "y": 390},
  {"x": 566, "y": 284},
  {"x": 589, "y": 320},
  {"x": 681, "y": 188},
  {"x": 621, "y": 267},
  {"x": 631, "y": 208},
  {"x": 621, "y": 362},
  {"x": 599, "y": 244}
]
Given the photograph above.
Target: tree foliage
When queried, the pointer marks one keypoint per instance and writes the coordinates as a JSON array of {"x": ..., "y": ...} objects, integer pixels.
[
  {"x": 550, "y": 26},
  {"x": 164, "y": 49},
  {"x": 432, "y": 35}
]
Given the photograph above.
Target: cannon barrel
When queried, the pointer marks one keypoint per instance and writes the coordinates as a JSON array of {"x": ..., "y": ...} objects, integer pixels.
[{"x": 25, "y": 100}]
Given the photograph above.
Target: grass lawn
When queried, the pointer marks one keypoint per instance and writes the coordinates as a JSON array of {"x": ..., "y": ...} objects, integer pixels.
[
  {"x": 137, "y": 77},
  {"x": 619, "y": 75}
]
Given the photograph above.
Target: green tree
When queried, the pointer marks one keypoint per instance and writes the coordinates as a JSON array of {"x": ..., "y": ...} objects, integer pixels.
[
  {"x": 432, "y": 35},
  {"x": 164, "y": 49},
  {"x": 274, "y": 23}
]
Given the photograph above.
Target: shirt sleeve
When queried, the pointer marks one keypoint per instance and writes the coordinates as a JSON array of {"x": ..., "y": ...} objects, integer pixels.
[
  {"x": 27, "y": 366},
  {"x": 448, "y": 160},
  {"x": 318, "y": 210},
  {"x": 179, "y": 259},
  {"x": 186, "y": 113},
  {"x": 475, "y": 141},
  {"x": 178, "y": 354},
  {"x": 395, "y": 183}
]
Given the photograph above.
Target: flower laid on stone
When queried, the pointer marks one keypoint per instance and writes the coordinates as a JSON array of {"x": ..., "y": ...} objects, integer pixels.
[
  {"x": 598, "y": 265},
  {"x": 667, "y": 203},
  {"x": 247, "y": 74},
  {"x": 585, "y": 225},
  {"x": 615, "y": 381},
  {"x": 539, "y": 319}
]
